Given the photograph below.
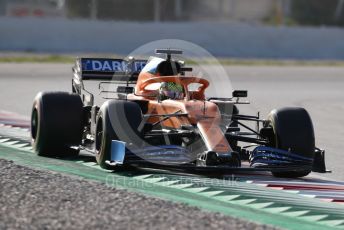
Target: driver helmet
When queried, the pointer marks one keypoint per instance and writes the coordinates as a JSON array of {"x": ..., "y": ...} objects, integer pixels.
[{"x": 171, "y": 90}]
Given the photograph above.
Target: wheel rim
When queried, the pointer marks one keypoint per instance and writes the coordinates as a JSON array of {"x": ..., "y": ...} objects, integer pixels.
[
  {"x": 99, "y": 136},
  {"x": 34, "y": 123}
]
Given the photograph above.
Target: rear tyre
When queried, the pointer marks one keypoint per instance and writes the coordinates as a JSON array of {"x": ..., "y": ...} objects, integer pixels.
[
  {"x": 56, "y": 124},
  {"x": 292, "y": 130},
  {"x": 117, "y": 120}
]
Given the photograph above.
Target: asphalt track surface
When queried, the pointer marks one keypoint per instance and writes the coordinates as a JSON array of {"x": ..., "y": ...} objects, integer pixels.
[
  {"x": 319, "y": 89},
  {"x": 36, "y": 199}
]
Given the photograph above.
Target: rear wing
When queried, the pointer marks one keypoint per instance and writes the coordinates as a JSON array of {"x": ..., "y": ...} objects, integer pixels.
[{"x": 108, "y": 69}]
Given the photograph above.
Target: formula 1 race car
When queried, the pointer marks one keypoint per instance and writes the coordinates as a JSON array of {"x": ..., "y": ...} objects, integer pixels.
[{"x": 156, "y": 116}]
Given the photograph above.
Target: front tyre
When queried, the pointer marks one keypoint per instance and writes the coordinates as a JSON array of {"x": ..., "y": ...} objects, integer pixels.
[
  {"x": 292, "y": 131},
  {"x": 116, "y": 120}
]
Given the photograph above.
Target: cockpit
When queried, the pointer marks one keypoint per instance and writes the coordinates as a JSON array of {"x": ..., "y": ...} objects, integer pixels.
[{"x": 165, "y": 79}]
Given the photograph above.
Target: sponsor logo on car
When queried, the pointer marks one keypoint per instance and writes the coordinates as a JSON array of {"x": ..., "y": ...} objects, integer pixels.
[{"x": 112, "y": 65}]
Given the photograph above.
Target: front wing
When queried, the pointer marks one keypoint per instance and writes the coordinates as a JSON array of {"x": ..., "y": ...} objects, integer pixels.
[{"x": 176, "y": 157}]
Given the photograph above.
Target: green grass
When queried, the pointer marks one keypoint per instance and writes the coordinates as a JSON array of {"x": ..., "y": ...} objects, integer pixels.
[
  {"x": 38, "y": 59},
  {"x": 27, "y": 58}
]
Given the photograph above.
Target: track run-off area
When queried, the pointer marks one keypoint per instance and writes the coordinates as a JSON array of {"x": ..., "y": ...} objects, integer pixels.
[{"x": 313, "y": 202}]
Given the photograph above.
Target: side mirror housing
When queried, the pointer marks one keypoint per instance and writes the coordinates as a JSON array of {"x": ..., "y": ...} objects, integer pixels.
[{"x": 239, "y": 93}]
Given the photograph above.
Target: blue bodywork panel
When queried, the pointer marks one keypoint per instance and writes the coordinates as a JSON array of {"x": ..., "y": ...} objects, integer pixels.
[
  {"x": 263, "y": 156},
  {"x": 164, "y": 154},
  {"x": 111, "y": 65},
  {"x": 117, "y": 152}
]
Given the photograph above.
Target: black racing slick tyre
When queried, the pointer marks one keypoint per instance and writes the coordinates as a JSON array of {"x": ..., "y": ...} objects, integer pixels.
[
  {"x": 117, "y": 120},
  {"x": 292, "y": 130},
  {"x": 56, "y": 123}
]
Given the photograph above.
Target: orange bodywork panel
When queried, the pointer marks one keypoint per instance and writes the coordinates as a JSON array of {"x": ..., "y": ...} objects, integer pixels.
[{"x": 204, "y": 114}]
